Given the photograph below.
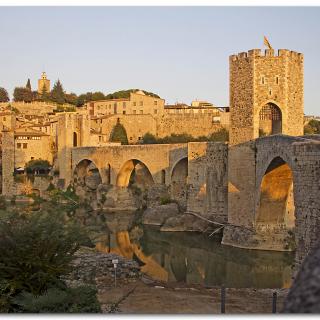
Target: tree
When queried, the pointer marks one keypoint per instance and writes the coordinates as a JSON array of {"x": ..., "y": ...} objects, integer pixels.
[
  {"x": 22, "y": 94},
  {"x": 28, "y": 85},
  {"x": 125, "y": 94},
  {"x": 119, "y": 134},
  {"x": 149, "y": 138},
  {"x": 98, "y": 96},
  {"x": 37, "y": 165},
  {"x": 81, "y": 100},
  {"x": 313, "y": 127},
  {"x": 4, "y": 97},
  {"x": 57, "y": 94},
  {"x": 71, "y": 98}
]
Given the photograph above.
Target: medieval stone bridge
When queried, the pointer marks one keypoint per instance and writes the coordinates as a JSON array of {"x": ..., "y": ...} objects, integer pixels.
[
  {"x": 266, "y": 190},
  {"x": 116, "y": 163}
]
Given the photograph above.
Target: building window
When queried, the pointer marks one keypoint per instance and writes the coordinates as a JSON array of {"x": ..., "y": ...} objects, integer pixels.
[
  {"x": 124, "y": 112},
  {"x": 263, "y": 80},
  {"x": 277, "y": 80},
  {"x": 155, "y": 111},
  {"x": 25, "y": 145},
  {"x": 141, "y": 111},
  {"x": 141, "y": 103},
  {"x": 134, "y": 111},
  {"x": 100, "y": 138},
  {"x": 155, "y": 102},
  {"x": 32, "y": 158},
  {"x": 124, "y": 104},
  {"x": 134, "y": 103},
  {"x": 4, "y": 118},
  {"x": 19, "y": 145}
]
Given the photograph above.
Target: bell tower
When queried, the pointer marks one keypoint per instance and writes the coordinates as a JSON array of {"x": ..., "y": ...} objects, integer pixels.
[{"x": 43, "y": 84}]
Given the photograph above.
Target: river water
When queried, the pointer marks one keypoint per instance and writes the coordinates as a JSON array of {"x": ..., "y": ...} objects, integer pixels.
[
  {"x": 191, "y": 258},
  {"x": 184, "y": 257}
]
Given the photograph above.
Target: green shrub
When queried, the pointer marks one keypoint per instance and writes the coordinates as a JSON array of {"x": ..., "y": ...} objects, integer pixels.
[
  {"x": 37, "y": 165},
  {"x": 165, "y": 200},
  {"x": 313, "y": 127},
  {"x": 149, "y": 138},
  {"x": 221, "y": 135},
  {"x": 72, "y": 300},
  {"x": 36, "y": 250}
]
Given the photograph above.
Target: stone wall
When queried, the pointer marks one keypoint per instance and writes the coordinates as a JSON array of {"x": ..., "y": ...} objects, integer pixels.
[
  {"x": 207, "y": 180},
  {"x": 160, "y": 126},
  {"x": 194, "y": 124},
  {"x": 8, "y": 187},
  {"x": 307, "y": 201}
]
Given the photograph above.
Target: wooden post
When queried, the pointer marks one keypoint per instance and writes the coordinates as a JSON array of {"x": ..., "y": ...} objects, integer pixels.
[
  {"x": 223, "y": 299},
  {"x": 274, "y": 302}
]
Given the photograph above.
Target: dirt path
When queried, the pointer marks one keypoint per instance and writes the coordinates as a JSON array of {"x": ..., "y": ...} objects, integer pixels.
[{"x": 142, "y": 298}]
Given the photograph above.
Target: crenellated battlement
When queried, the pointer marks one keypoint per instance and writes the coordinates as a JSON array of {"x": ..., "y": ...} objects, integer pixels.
[{"x": 253, "y": 53}]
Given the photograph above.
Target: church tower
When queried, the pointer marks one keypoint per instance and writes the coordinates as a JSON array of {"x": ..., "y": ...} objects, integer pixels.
[
  {"x": 43, "y": 84},
  {"x": 266, "y": 94}
]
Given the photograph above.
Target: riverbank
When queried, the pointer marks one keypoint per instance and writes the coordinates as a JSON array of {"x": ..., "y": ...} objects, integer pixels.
[{"x": 136, "y": 293}]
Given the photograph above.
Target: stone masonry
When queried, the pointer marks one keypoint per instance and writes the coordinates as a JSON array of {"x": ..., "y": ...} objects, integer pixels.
[{"x": 255, "y": 81}]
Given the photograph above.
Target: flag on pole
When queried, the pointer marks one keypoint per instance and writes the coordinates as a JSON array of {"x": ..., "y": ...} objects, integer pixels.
[{"x": 266, "y": 42}]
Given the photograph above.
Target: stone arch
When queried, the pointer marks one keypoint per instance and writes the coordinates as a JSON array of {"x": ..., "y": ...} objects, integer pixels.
[
  {"x": 134, "y": 171},
  {"x": 86, "y": 174},
  {"x": 75, "y": 139},
  {"x": 276, "y": 210},
  {"x": 179, "y": 179},
  {"x": 270, "y": 119}
]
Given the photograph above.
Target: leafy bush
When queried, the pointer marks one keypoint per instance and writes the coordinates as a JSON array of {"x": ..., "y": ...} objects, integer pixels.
[
  {"x": 36, "y": 250},
  {"x": 72, "y": 300},
  {"x": 313, "y": 127},
  {"x": 221, "y": 135},
  {"x": 125, "y": 94},
  {"x": 149, "y": 138},
  {"x": 165, "y": 200},
  {"x": 37, "y": 165}
]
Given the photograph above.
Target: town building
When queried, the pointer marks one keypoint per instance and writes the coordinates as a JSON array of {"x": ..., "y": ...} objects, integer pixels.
[{"x": 137, "y": 103}]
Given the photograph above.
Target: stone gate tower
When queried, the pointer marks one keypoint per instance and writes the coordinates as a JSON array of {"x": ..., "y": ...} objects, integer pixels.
[{"x": 266, "y": 94}]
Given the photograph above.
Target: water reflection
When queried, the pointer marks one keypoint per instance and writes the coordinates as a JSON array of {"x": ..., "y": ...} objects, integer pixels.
[{"x": 191, "y": 258}]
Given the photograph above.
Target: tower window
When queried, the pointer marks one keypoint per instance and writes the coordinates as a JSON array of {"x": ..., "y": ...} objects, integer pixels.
[{"x": 277, "y": 80}]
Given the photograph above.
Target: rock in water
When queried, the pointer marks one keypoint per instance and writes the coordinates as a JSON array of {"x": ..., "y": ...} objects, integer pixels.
[{"x": 159, "y": 214}]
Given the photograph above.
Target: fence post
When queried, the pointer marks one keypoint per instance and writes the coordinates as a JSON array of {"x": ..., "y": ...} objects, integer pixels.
[
  {"x": 274, "y": 302},
  {"x": 223, "y": 299}
]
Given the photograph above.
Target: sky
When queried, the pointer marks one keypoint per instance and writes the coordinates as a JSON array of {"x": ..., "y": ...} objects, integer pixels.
[{"x": 180, "y": 53}]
